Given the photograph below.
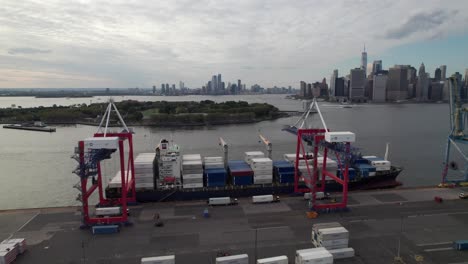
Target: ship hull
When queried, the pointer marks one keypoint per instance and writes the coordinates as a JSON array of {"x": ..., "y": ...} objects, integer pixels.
[{"x": 387, "y": 180}]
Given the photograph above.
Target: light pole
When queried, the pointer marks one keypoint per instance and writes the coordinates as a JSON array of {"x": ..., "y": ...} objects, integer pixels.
[{"x": 398, "y": 257}]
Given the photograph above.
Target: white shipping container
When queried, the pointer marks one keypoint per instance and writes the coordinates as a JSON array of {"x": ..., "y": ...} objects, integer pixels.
[
  {"x": 187, "y": 181},
  {"x": 274, "y": 260},
  {"x": 306, "y": 250},
  {"x": 333, "y": 233},
  {"x": 159, "y": 260},
  {"x": 263, "y": 176},
  {"x": 342, "y": 253},
  {"x": 335, "y": 243},
  {"x": 191, "y": 157},
  {"x": 344, "y": 136},
  {"x": 263, "y": 181},
  {"x": 192, "y": 185},
  {"x": 101, "y": 143},
  {"x": 213, "y": 159},
  {"x": 254, "y": 154},
  {"x": 236, "y": 259},
  {"x": 262, "y": 198},
  {"x": 263, "y": 161},
  {"x": 106, "y": 211},
  {"x": 219, "y": 201},
  {"x": 193, "y": 176}
]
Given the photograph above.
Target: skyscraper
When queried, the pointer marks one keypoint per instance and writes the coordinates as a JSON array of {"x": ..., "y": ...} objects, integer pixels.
[
  {"x": 219, "y": 84},
  {"x": 339, "y": 87},
  {"x": 357, "y": 84},
  {"x": 303, "y": 89},
  {"x": 397, "y": 83},
  {"x": 422, "y": 87},
  {"x": 443, "y": 72},
  {"x": 154, "y": 89},
  {"x": 364, "y": 61},
  {"x": 438, "y": 74},
  {"x": 239, "y": 86},
  {"x": 380, "y": 86},
  {"x": 214, "y": 84},
  {"x": 376, "y": 66},
  {"x": 332, "y": 83}
]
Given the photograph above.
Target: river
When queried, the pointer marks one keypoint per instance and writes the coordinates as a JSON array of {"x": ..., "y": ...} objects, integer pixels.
[{"x": 36, "y": 168}]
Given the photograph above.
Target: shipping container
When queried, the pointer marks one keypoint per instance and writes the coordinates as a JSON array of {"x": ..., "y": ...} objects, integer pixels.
[
  {"x": 342, "y": 253},
  {"x": 274, "y": 260},
  {"x": 236, "y": 259},
  {"x": 159, "y": 260},
  {"x": 264, "y": 198},
  {"x": 108, "y": 211},
  {"x": 303, "y": 251},
  {"x": 344, "y": 136},
  {"x": 105, "y": 229},
  {"x": 461, "y": 245},
  {"x": 334, "y": 243},
  {"x": 188, "y": 157},
  {"x": 101, "y": 143},
  {"x": 333, "y": 233},
  {"x": 221, "y": 201},
  {"x": 318, "y": 257}
]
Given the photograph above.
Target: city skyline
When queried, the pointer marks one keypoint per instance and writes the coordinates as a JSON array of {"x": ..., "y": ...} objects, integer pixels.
[{"x": 140, "y": 44}]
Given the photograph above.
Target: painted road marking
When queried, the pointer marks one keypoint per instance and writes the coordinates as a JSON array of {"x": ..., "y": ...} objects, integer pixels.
[
  {"x": 434, "y": 244},
  {"x": 438, "y": 249}
]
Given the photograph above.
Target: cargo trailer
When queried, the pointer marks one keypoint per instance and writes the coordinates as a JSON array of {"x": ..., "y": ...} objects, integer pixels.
[
  {"x": 222, "y": 201},
  {"x": 269, "y": 198}
]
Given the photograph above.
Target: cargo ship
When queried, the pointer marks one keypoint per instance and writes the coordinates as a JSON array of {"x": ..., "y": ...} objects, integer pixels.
[{"x": 169, "y": 175}]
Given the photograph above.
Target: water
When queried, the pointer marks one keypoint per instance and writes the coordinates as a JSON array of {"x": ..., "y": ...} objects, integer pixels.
[{"x": 36, "y": 168}]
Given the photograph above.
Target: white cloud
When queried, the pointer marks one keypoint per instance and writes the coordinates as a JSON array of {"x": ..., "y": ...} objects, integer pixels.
[{"x": 141, "y": 43}]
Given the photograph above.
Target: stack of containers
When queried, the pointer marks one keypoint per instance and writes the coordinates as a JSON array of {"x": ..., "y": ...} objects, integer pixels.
[
  {"x": 249, "y": 155},
  {"x": 216, "y": 177},
  {"x": 263, "y": 170},
  {"x": 10, "y": 249},
  {"x": 366, "y": 170},
  {"x": 192, "y": 171},
  {"x": 213, "y": 162},
  {"x": 169, "y": 168},
  {"x": 379, "y": 163},
  {"x": 313, "y": 255},
  {"x": 240, "y": 172},
  {"x": 334, "y": 237},
  {"x": 351, "y": 174},
  {"x": 144, "y": 176},
  {"x": 283, "y": 171}
]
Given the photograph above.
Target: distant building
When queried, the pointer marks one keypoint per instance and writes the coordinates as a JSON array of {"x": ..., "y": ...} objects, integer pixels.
[
  {"x": 364, "y": 61},
  {"x": 422, "y": 87},
  {"x": 380, "y": 86},
  {"x": 436, "y": 91},
  {"x": 438, "y": 74},
  {"x": 397, "y": 83},
  {"x": 316, "y": 89},
  {"x": 412, "y": 81},
  {"x": 239, "y": 86},
  {"x": 154, "y": 89},
  {"x": 332, "y": 83},
  {"x": 340, "y": 87},
  {"x": 368, "y": 88},
  {"x": 376, "y": 66},
  {"x": 310, "y": 92},
  {"x": 443, "y": 72},
  {"x": 357, "y": 84},
  {"x": 324, "y": 88},
  {"x": 303, "y": 89}
]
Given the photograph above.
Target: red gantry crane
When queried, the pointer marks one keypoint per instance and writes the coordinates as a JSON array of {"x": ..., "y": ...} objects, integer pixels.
[
  {"x": 314, "y": 171},
  {"x": 89, "y": 154}
]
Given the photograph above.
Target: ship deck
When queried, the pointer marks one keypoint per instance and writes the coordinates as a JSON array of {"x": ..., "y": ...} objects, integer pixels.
[{"x": 375, "y": 221}]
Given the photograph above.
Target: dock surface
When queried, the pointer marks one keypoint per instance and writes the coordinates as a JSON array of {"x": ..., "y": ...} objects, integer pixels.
[{"x": 376, "y": 221}]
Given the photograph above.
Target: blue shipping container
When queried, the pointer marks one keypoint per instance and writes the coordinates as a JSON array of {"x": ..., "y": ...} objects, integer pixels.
[
  {"x": 105, "y": 229},
  {"x": 461, "y": 245},
  {"x": 243, "y": 180}
]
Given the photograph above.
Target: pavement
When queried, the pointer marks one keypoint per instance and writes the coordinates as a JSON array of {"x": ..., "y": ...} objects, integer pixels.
[{"x": 377, "y": 221}]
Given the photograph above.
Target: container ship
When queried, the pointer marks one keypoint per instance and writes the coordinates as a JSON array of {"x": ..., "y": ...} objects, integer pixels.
[{"x": 169, "y": 175}]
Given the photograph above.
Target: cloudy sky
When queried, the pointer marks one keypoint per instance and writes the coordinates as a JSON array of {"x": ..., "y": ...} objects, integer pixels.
[{"x": 128, "y": 43}]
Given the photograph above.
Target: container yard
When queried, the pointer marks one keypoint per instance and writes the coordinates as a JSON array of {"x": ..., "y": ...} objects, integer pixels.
[{"x": 376, "y": 221}]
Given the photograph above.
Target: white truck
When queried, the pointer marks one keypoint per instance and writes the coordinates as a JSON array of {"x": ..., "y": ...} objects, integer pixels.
[
  {"x": 269, "y": 198},
  {"x": 222, "y": 201}
]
